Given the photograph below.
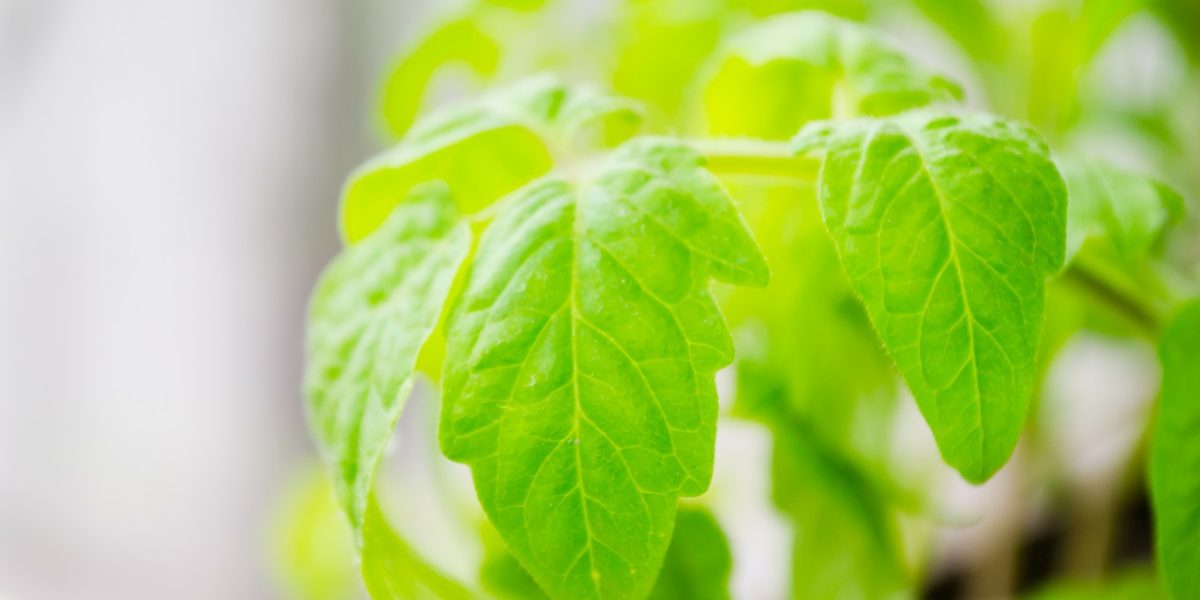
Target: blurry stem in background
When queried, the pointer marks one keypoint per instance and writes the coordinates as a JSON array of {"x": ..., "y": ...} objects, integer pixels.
[
  {"x": 757, "y": 158},
  {"x": 995, "y": 573},
  {"x": 1091, "y": 535},
  {"x": 1147, "y": 318}
]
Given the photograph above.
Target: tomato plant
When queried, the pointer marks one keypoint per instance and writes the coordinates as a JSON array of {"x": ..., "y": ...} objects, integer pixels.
[{"x": 781, "y": 194}]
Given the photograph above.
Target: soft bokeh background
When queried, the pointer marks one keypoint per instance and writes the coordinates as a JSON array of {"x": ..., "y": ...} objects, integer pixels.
[{"x": 169, "y": 172}]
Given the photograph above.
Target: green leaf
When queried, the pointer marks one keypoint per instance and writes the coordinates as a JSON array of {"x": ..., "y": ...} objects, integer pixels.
[
  {"x": 1131, "y": 584},
  {"x": 371, "y": 312},
  {"x": 485, "y": 149},
  {"x": 1175, "y": 460},
  {"x": 698, "y": 562},
  {"x": 458, "y": 41},
  {"x": 948, "y": 227},
  {"x": 799, "y": 67},
  {"x": 581, "y": 355},
  {"x": 847, "y": 542},
  {"x": 697, "y": 565},
  {"x": 392, "y": 570},
  {"x": 1128, "y": 211}
]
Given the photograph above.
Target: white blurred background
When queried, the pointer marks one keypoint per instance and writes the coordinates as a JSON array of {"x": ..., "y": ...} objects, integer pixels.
[{"x": 169, "y": 172}]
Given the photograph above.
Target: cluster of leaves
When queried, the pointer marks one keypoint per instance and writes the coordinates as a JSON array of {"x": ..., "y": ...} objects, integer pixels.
[{"x": 574, "y": 280}]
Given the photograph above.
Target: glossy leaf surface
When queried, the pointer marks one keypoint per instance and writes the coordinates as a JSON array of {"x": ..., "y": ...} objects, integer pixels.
[
  {"x": 582, "y": 392},
  {"x": 948, "y": 227}
]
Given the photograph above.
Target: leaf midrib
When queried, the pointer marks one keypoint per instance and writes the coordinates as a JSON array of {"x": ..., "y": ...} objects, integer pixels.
[{"x": 953, "y": 239}]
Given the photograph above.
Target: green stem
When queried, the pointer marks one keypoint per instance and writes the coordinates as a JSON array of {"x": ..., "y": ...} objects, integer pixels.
[
  {"x": 1138, "y": 312},
  {"x": 756, "y": 158}
]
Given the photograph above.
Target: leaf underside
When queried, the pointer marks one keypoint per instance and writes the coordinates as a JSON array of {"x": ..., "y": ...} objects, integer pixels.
[
  {"x": 372, "y": 310},
  {"x": 582, "y": 393},
  {"x": 391, "y": 570},
  {"x": 948, "y": 227},
  {"x": 485, "y": 148}
]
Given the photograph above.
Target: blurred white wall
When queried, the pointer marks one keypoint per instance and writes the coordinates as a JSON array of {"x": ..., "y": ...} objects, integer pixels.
[{"x": 168, "y": 179}]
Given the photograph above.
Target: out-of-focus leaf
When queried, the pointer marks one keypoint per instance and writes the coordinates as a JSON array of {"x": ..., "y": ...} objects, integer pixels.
[
  {"x": 1115, "y": 227},
  {"x": 1135, "y": 584},
  {"x": 1181, "y": 16},
  {"x": 392, "y": 570},
  {"x": 698, "y": 562},
  {"x": 850, "y": 9},
  {"x": 312, "y": 547},
  {"x": 458, "y": 41},
  {"x": 847, "y": 541},
  {"x": 371, "y": 312},
  {"x": 794, "y": 336},
  {"x": 1099, "y": 19},
  {"x": 1064, "y": 37},
  {"x": 660, "y": 46},
  {"x": 970, "y": 23},
  {"x": 522, "y": 5},
  {"x": 486, "y": 148},
  {"x": 585, "y": 346},
  {"x": 1175, "y": 459},
  {"x": 948, "y": 227},
  {"x": 1114, "y": 206},
  {"x": 794, "y": 68},
  {"x": 501, "y": 574}
]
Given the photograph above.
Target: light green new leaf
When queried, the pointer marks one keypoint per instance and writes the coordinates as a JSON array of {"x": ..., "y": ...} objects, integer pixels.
[
  {"x": 698, "y": 562},
  {"x": 458, "y": 41},
  {"x": 948, "y": 227},
  {"x": 1175, "y": 462},
  {"x": 484, "y": 149},
  {"x": 371, "y": 312},
  {"x": 392, "y": 570},
  {"x": 581, "y": 358},
  {"x": 799, "y": 67},
  {"x": 1129, "y": 211}
]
